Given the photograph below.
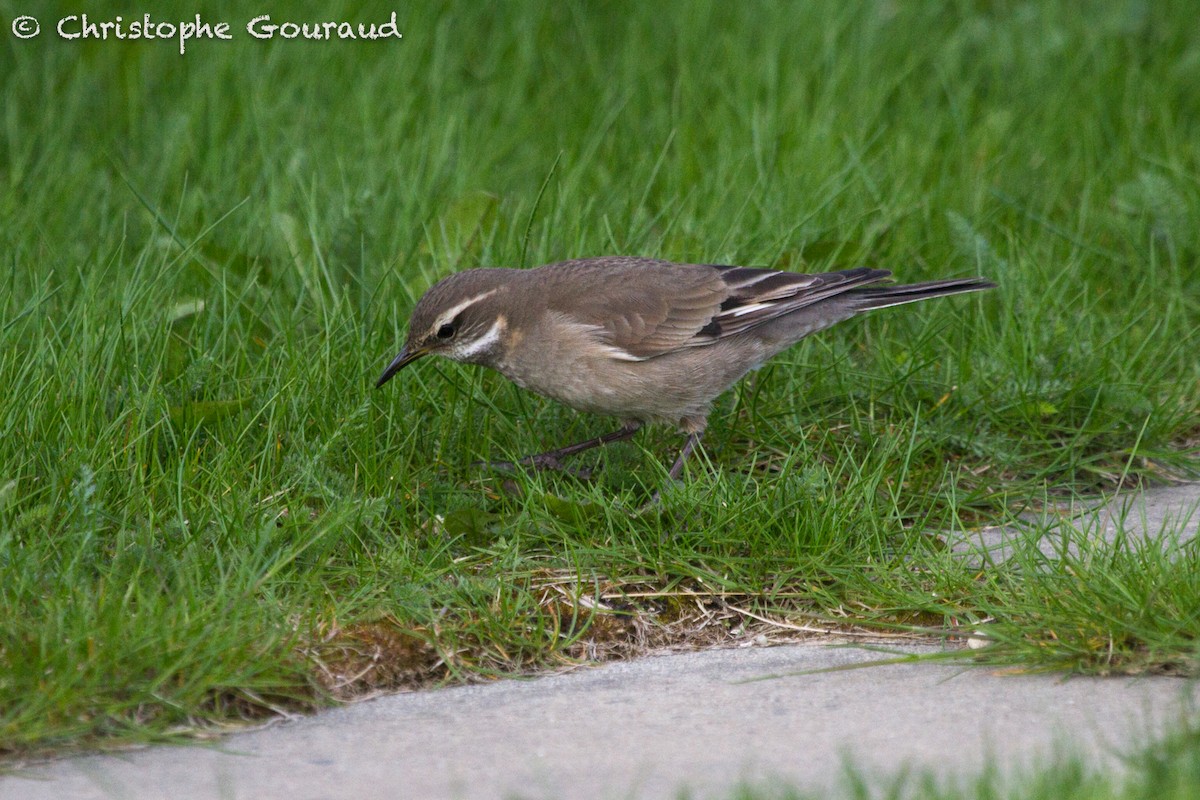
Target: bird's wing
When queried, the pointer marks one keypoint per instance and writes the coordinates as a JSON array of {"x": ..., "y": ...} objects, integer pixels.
[
  {"x": 638, "y": 308},
  {"x": 756, "y": 295},
  {"x": 642, "y": 308}
]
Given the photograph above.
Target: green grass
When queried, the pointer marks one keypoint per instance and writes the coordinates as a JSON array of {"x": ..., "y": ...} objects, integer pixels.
[{"x": 207, "y": 513}]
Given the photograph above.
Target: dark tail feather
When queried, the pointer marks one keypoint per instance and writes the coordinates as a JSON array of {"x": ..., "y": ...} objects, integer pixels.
[{"x": 871, "y": 297}]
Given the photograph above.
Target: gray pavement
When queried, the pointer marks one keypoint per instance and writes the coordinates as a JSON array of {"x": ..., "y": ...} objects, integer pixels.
[
  {"x": 1166, "y": 514},
  {"x": 652, "y": 727}
]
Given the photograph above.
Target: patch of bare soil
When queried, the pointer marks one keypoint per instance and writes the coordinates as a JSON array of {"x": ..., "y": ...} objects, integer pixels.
[{"x": 587, "y": 623}]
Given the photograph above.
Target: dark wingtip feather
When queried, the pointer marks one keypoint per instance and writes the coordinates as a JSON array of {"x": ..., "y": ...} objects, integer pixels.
[{"x": 871, "y": 297}]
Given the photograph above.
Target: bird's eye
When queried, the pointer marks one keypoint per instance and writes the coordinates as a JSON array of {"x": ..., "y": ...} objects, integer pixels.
[{"x": 446, "y": 331}]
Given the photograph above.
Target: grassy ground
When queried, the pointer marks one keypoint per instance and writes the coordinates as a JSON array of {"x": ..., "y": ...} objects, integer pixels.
[{"x": 207, "y": 513}]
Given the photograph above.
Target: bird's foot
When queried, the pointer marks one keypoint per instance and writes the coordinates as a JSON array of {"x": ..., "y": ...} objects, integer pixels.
[{"x": 653, "y": 504}]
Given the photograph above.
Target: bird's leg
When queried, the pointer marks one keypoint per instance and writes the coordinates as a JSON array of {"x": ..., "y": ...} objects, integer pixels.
[
  {"x": 552, "y": 459},
  {"x": 689, "y": 445},
  {"x": 673, "y": 474}
]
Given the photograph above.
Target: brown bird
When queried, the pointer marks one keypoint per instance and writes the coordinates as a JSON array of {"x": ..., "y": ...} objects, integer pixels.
[{"x": 643, "y": 340}]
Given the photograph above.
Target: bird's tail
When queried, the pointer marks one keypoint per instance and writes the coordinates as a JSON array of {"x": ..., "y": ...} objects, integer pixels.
[{"x": 872, "y": 297}]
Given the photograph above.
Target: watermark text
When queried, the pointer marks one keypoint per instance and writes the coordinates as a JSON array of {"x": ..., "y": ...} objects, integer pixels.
[{"x": 74, "y": 27}]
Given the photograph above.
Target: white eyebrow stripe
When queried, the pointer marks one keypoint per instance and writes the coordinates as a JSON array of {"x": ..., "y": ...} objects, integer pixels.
[
  {"x": 455, "y": 310},
  {"x": 485, "y": 342}
]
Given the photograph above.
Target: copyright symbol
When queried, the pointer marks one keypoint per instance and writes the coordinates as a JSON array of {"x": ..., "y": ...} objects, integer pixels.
[{"x": 25, "y": 27}]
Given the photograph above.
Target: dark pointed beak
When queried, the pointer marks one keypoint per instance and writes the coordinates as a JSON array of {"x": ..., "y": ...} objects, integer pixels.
[{"x": 400, "y": 362}]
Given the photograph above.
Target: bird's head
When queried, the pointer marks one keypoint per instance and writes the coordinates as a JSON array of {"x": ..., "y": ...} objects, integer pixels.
[{"x": 460, "y": 317}]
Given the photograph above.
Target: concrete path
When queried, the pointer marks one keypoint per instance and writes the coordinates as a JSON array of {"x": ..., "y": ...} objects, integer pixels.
[
  {"x": 649, "y": 728},
  {"x": 1167, "y": 514}
]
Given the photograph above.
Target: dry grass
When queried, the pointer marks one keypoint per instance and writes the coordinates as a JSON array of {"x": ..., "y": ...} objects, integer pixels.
[{"x": 594, "y": 622}]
